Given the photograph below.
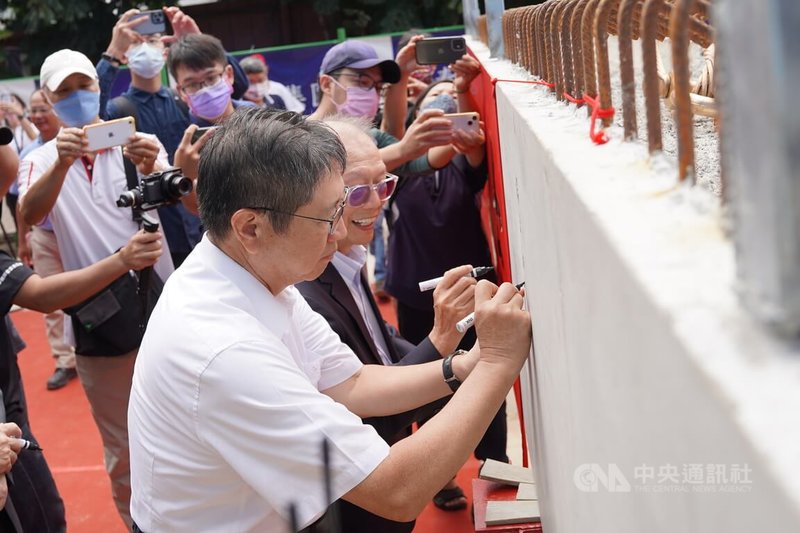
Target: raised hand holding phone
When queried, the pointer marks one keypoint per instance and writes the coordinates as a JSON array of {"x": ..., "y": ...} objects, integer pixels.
[
  {"x": 150, "y": 22},
  {"x": 440, "y": 50},
  {"x": 109, "y": 133},
  {"x": 469, "y": 122},
  {"x": 71, "y": 144}
]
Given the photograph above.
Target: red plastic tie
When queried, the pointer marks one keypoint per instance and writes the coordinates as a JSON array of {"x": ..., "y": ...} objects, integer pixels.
[
  {"x": 572, "y": 99},
  {"x": 599, "y": 137},
  {"x": 530, "y": 82}
]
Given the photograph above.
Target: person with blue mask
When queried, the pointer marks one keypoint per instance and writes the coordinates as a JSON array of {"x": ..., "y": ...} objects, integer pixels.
[
  {"x": 78, "y": 189},
  {"x": 156, "y": 107}
]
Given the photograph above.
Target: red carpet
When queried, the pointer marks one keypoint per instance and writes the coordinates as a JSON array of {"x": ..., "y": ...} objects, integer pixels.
[{"x": 64, "y": 427}]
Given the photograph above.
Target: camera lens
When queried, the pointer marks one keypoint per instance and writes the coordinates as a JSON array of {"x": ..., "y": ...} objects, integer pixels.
[
  {"x": 129, "y": 199},
  {"x": 458, "y": 45},
  {"x": 178, "y": 186}
]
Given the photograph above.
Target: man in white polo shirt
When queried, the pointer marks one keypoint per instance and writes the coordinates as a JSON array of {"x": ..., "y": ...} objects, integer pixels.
[
  {"x": 78, "y": 189},
  {"x": 238, "y": 381}
]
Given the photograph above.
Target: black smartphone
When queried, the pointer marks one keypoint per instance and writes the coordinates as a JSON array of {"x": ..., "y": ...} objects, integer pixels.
[
  {"x": 440, "y": 50},
  {"x": 154, "y": 22},
  {"x": 199, "y": 133}
]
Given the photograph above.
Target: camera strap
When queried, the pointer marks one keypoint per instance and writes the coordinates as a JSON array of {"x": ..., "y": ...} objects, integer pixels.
[
  {"x": 143, "y": 283},
  {"x": 132, "y": 177}
]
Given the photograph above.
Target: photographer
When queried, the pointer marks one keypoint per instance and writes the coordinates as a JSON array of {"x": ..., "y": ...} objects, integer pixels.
[
  {"x": 156, "y": 107},
  {"x": 79, "y": 190}
]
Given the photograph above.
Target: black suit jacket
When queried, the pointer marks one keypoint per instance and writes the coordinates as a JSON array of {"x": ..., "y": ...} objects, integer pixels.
[{"x": 329, "y": 296}]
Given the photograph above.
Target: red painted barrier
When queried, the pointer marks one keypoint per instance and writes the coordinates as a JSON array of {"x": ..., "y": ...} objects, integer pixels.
[{"x": 493, "y": 205}]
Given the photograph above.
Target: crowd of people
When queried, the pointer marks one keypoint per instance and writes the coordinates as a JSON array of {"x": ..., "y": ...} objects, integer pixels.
[{"x": 226, "y": 336}]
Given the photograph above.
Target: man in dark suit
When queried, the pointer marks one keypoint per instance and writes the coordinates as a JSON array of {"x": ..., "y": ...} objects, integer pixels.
[{"x": 342, "y": 295}]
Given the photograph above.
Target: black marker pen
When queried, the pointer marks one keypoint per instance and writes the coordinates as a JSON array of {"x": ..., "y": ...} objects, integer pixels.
[
  {"x": 430, "y": 284},
  {"x": 465, "y": 323}
]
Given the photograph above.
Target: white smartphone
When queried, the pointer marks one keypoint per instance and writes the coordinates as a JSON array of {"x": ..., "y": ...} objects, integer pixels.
[
  {"x": 465, "y": 121},
  {"x": 110, "y": 133}
]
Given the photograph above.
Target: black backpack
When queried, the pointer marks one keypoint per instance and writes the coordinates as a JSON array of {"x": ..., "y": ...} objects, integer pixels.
[{"x": 127, "y": 107}]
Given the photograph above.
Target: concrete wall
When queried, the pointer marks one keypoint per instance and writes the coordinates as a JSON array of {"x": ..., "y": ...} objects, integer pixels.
[{"x": 643, "y": 354}]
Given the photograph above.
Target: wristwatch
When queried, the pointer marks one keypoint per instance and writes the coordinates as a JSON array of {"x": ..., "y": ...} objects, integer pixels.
[
  {"x": 111, "y": 59},
  {"x": 447, "y": 371}
]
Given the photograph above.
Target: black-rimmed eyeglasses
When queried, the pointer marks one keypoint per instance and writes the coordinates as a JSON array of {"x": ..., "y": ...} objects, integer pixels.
[
  {"x": 333, "y": 221},
  {"x": 364, "y": 81}
]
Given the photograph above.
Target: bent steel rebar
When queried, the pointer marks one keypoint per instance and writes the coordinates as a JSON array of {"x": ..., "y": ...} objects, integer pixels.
[
  {"x": 627, "y": 27},
  {"x": 684, "y": 120},
  {"x": 587, "y": 37},
  {"x": 601, "y": 20}
]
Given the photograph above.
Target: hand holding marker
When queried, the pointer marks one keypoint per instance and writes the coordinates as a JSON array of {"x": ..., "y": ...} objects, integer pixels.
[
  {"x": 25, "y": 444},
  {"x": 430, "y": 284},
  {"x": 465, "y": 323}
]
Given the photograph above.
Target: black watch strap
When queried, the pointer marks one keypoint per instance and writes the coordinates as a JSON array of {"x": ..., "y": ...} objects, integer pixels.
[
  {"x": 111, "y": 59},
  {"x": 447, "y": 371}
]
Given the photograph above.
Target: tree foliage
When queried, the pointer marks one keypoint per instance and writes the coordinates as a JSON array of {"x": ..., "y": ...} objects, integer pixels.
[
  {"x": 366, "y": 17},
  {"x": 40, "y": 27},
  {"x": 36, "y": 28}
]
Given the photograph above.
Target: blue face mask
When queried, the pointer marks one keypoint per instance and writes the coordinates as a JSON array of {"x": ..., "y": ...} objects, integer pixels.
[
  {"x": 444, "y": 101},
  {"x": 78, "y": 109}
]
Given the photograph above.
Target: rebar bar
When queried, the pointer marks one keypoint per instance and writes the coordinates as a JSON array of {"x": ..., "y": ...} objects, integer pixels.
[
  {"x": 651, "y": 12},
  {"x": 626, "y": 26},
  {"x": 577, "y": 50},
  {"x": 555, "y": 41},
  {"x": 541, "y": 69},
  {"x": 587, "y": 37},
  {"x": 679, "y": 35},
  {"x": 552, "y": 67},
  {"x": 531, "y": 29},
  {"x": 601, "y": 42},
  {"x": 564, "y": 23}
]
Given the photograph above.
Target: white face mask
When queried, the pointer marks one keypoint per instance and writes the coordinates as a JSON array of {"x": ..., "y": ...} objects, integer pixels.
[
  {"x": 145, "y": 60},
  {"x": 257, "y": 91}
]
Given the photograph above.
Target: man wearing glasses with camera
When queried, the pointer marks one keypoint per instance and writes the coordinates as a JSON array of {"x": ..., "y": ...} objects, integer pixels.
[
  {"x": 239, "y": 382},
  {"x": 341, "y": 295}
]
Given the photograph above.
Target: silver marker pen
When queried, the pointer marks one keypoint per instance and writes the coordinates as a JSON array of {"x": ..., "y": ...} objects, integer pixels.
[
  {"x": 430, "y": 284},
  {"x": 465, "y": 323}
]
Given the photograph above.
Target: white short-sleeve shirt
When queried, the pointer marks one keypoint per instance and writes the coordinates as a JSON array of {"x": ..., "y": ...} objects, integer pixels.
[
  {"x": 86, "y": 220},
  {"x": 226, "y": 420}
]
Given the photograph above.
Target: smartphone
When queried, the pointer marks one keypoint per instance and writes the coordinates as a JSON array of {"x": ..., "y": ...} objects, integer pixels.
[
  {"x": 465, "y": 121},
  {"x": 110, "y": 133},
  {"x": 440, "y": 50},
  {"x": 199, "y": 133},
  {"x": 155, "y": 22}
]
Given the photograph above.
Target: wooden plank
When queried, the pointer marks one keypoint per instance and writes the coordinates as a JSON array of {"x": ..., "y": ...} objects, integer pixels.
[
  {"x": 513, "y": 512},
  {"x": 527, "y": 491},
  {"x": 505, "y": 473}
]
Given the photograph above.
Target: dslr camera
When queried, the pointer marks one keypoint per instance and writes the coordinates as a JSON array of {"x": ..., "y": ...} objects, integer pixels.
[{"x": 156, "y": 190}]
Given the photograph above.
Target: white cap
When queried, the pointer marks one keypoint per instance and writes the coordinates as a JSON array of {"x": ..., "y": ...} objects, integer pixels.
[{"x": 61, "y": 64}]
